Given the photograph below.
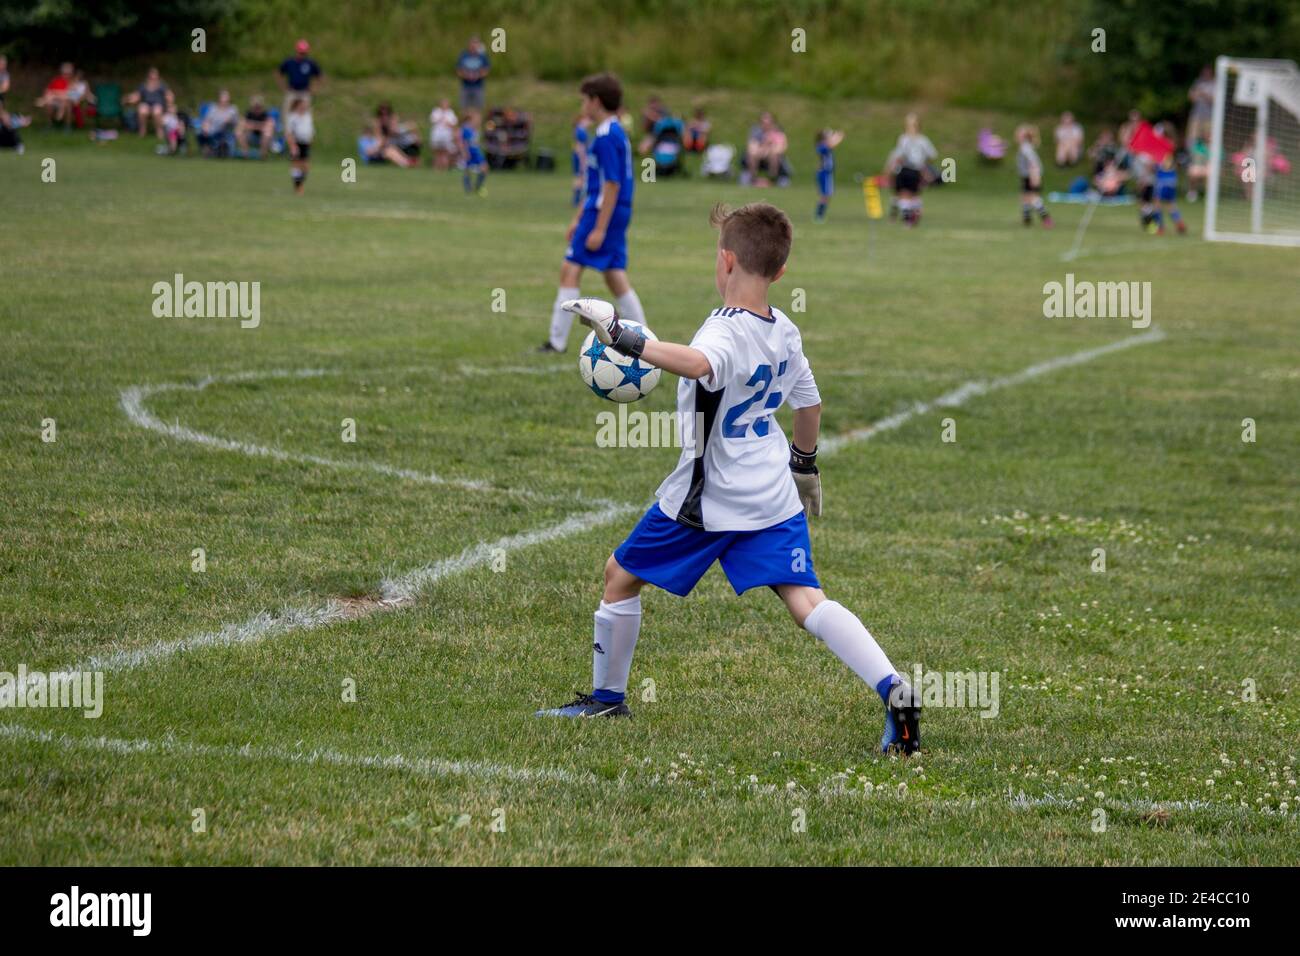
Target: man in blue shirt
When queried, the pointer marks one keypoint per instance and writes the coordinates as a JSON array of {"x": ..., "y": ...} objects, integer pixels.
[
  {"x": 298, "y": 75},
  {"x": 598, "y": 233},
  {"x": 472, "y": 68}
]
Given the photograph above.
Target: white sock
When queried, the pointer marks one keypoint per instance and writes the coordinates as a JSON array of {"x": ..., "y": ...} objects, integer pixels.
[
  {"x": 561, "y": 320},
  {"x": 852, "y": 643},
  {"x": 617, "y": 628},
  {"x": 629, "y": 307}
]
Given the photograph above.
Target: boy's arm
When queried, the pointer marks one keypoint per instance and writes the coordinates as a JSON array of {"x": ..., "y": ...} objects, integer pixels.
[
  {"x": 803, "y": 464},
  {"x": 600, "y": 316},
  {"x": 608, "y": 199}
]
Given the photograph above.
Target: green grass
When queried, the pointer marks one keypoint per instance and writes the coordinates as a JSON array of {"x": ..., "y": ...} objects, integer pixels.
[{"x": 966, "y": 556}]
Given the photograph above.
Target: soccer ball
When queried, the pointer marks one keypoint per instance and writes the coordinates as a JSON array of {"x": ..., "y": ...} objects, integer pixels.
[{"x": 613, "y": 375}]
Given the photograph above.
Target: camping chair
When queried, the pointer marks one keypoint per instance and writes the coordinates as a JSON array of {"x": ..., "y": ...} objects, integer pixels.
[
  {"x": 108, "y": 104},
  {"x": 717, "y": 161}
]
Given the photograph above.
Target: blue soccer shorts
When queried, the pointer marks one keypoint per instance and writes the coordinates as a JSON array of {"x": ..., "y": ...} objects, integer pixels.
[
  {"x": 825, "y": 183},
  {"x": 612, "y": 253},
  {"x": 674, "y": 556}
]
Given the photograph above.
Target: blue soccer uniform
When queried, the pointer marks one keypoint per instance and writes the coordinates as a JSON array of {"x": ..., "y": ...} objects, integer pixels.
[{"x": 609, "y": 161}]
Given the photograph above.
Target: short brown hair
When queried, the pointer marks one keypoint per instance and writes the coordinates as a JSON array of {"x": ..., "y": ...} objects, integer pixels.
[
  {"x": 606, "y": 88},
  {"x": 758, "y": 233}
]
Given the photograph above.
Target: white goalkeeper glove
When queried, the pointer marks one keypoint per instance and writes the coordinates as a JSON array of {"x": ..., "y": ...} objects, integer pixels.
[
  {"x": 602, "y": 318},
  {"x": 807, "y": 480}
]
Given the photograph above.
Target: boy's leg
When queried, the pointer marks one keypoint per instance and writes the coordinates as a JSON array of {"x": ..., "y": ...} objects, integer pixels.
[
  {"x": 625, "y": 298},
  {"x": 561, "y": 321},
  {"x": 618, "y": 625},
  {"x": 840, "y": 630}
]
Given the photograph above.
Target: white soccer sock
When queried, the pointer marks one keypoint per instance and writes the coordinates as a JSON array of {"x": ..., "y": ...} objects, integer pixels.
[
  {"x": 852, "y": 643},
  {"x": 629, "y": 307},
  {"x": 561, "y": 320},
  {"x": 617, "y": 628}
]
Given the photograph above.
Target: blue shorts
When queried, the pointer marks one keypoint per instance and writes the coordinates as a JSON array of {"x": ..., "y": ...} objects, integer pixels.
[
  {"x": 825, "y": 184},
  {"x": 475, "y": 159},
  {"x": 612, "y": 253},
  {"x": 674, "y": 556},
  {"x": 1167, "y": 194}
]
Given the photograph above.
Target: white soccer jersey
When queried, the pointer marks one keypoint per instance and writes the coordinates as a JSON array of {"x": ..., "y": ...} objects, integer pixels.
[{"x": 740, "y": 479}]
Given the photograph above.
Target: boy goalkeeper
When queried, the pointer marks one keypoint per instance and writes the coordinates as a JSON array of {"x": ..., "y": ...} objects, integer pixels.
[{"x": 740, "y": 496}]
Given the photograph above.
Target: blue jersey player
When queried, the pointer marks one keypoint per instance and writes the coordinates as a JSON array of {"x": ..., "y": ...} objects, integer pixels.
[
  {"x": 827, "y": 140},
  {"x": 740, "y": 494},
  {"x": 598, "y": 234},
  {"x": 475, "y": 163}
]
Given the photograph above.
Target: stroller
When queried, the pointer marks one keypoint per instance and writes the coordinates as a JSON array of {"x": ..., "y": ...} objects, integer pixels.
[
  {"x": 717, "y": 161},
  {"x": 667, "y": 149}
]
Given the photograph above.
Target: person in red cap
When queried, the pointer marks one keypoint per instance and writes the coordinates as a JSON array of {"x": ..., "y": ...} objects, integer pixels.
[{"x": 298, "y": 75}]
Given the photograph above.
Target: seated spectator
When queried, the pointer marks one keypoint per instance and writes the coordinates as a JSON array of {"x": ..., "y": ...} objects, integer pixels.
[
  {"x": 650, "y": 116},
  {"x": 403, "y": 138},
  {"x": 55, "y": 102},
  {"x": 1069, "y": 140},
  {"x": 81, "y": 100},
  {"x": 1104, "y": 150},
  {"x": 217, "y": 130},
  {"x": 697, "y": 132},
  {"x": 765, "y": 152},
  {"x": 151, "y": 100},
  {"x": 257, "y": 123},
  {"x": 442, "y": 134}
]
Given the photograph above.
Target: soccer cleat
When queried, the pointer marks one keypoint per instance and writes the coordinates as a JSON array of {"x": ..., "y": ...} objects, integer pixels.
[
  {"x": 584, "y": 705},
  {"x": 902, "y": 721},
  {"x": 1182, "y": 228},
  {"x": 1047, "y": 221},
  {"x": 546, "y": 348}
]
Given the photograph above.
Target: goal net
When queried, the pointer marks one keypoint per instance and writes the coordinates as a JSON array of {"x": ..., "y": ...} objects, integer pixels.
[{"x": 1253, "y": 192}]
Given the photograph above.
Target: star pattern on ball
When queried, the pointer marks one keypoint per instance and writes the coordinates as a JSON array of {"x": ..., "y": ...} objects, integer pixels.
[
  {"x": 596, "y": 352},
  {"x": 634, "y": 372}
]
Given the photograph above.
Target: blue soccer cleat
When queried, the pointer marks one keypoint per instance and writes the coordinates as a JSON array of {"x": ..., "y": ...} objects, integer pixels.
[
  {"x": 584, "y": 705},
  {"x": 902, "y": 721}
]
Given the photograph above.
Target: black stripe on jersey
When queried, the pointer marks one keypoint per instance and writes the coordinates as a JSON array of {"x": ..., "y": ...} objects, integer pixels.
[
  {"x": 706, "y": 406},
  {"x": 737, "y": 310}
]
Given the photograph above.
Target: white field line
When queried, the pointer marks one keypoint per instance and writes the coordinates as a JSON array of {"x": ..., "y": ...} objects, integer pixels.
[
  {"x": 133, "y": 401},
  {"x": 395, "y": 593},
  {"x": 964, "y": 393},
  {"x": 1078, "y": 233},
  {"x": 398, "y": 592},
  {"x": 420, "y": 766},
  {"x": 441, "y": 768}
]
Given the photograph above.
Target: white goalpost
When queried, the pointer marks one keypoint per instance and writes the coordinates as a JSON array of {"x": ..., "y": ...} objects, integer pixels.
[{"x": 1253, "y": 191}]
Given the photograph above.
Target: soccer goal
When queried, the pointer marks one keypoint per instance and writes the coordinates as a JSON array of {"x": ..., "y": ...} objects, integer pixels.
[{"x": 1253, "y": 192}]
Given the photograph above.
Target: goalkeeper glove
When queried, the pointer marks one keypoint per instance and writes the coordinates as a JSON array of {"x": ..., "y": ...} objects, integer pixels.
[
  {"x": 602, "y": 318},
  {"x": 808, "y": 481}
]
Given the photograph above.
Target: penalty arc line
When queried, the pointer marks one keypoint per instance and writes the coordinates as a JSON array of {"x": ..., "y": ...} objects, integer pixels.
[{"x": 403, "y": 590}]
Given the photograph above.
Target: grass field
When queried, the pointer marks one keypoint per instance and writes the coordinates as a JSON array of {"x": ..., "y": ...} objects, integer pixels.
[{"x": 1120, "y": 691}]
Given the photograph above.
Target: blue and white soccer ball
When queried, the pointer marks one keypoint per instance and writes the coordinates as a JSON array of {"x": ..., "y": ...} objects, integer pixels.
[{"x": 613, "y": 375}]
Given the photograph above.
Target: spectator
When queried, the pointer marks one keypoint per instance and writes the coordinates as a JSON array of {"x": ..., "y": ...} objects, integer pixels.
[
  {"x": 256, "y": 122},
  {"x": 765, "y": 151},
  {"x": 4, "y": 79},
  {"x": 80, "y": 100},
  {"x": 298, "y": 76},
  {"x": 472, "y": 68},
  {"x": 1201, "y": 117},
  {"x": 152, "y": 99},
  {"x": 399, "y": 143},
  {"x": 697, "y": 132},
  {"x": 217, "y": 131},
  {"x": 442, "y": 134},
  {"x": 55, "y": 99},
  {"x": 1069, "y": 140},
  {"x": 650, "y": 116}
]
